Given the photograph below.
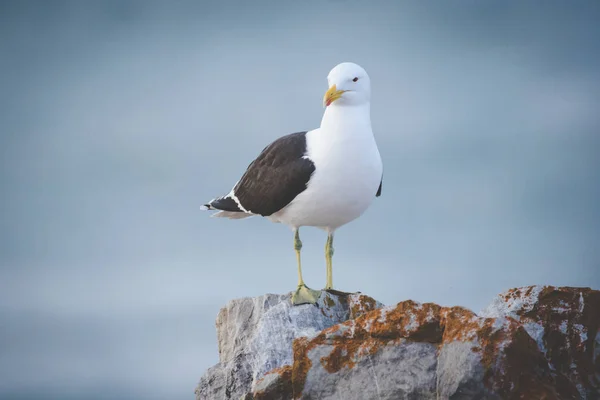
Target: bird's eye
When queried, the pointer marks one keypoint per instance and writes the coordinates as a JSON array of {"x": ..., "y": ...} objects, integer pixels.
[{"x": 355, "y": 79}]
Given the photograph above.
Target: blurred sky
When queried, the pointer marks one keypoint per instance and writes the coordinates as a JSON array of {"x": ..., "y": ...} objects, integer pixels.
[{"x": 118, "y": 119}]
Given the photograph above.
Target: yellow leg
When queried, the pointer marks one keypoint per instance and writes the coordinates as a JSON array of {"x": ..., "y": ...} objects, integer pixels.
[
  {"x": 297, "y": 248},
  {"x": 328, "y": 261},
  {"x": 302, "y": 295}
]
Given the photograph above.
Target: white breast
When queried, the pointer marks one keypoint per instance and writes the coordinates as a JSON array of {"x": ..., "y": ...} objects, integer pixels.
[{"x": 348, "y": 171}]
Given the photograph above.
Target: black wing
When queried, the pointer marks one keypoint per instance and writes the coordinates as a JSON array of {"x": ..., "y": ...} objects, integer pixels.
[
  {"x": 379, "y": 190},
  {"x": 274, "y": 179}
]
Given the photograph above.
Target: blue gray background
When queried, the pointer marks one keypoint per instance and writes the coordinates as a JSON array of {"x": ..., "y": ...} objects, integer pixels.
[{"x": 118, "y": 119}]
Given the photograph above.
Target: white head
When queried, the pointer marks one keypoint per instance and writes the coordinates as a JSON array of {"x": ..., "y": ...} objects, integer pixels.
[{"x": 349, "y": 84}]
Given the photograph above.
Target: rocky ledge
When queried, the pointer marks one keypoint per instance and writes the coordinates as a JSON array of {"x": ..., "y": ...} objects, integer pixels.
[{"x": 536, "y": 342}]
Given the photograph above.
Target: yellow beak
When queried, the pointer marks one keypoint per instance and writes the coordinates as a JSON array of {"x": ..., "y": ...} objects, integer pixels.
[{"x": 332, "y": 95}]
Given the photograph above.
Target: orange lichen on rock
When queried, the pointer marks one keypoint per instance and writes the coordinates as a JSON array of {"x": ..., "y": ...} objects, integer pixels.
[
  {"x": 285, "y": 370},
  {"x": 502, "y": 343},
  {"x": 514, "y": 366},
  {"x": 559, "y": 325},
  {"x": 408, "y": 320},
  {"x": 368, "y": 333},
  {"x": 301, "y": 365},
  {"x": 282, "y": 388},
  {"x": 523, "y": 372},
  {"x": 458, "y": 323},
  {"x": 570, "y": 318},
  {"x": 361, "y": 304}
]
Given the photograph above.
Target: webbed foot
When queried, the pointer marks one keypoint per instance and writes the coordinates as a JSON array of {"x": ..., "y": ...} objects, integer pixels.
[{"x": 305, "y": 295}]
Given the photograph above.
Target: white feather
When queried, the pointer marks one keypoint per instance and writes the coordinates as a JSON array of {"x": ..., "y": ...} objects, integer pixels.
[
  {"x": 231, "y": 215},
  {"x": 348, "y": 171}
]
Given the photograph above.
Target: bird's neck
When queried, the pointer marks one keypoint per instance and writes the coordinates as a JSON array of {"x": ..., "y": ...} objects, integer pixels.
[{"x": 344, "y": 116}]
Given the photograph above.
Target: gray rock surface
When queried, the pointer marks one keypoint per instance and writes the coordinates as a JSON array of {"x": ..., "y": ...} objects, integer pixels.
[
  {"x": 459, "y": 372},
  {"x": 396, "y": 371},
  {"x": 530, "y": 343},
  {"x": 255, "y": 336}
]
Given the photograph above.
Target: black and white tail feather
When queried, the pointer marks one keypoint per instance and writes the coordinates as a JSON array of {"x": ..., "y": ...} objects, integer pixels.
[{"x": 227, "y": 207}]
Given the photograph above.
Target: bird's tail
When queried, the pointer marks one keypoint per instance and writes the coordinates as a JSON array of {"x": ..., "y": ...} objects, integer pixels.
[{"x": 227, "y": 207}]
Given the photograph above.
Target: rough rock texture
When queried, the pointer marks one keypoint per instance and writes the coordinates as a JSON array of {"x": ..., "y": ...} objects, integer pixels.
[
  {"x": 255, "y": 336},
  {"x": 565, "y": 324},
  {"x": 529, "y": 343}
]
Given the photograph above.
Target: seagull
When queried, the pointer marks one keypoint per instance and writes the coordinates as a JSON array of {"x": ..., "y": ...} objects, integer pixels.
[{"x": 324, "y": 178}]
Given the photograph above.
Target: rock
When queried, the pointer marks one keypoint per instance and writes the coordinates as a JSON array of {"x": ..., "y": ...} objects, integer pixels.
[
  {"x": 255, "y": 336},
  {"x": 529, "y": 343},
  {"x": 275, "y": 385},
  {"x": 565, "y": 324}
]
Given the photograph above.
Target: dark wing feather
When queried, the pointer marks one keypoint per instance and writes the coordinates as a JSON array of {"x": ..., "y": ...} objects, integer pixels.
[
  {"x": 276, "y": 177},
  {"x": 379, "y": 190}
]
